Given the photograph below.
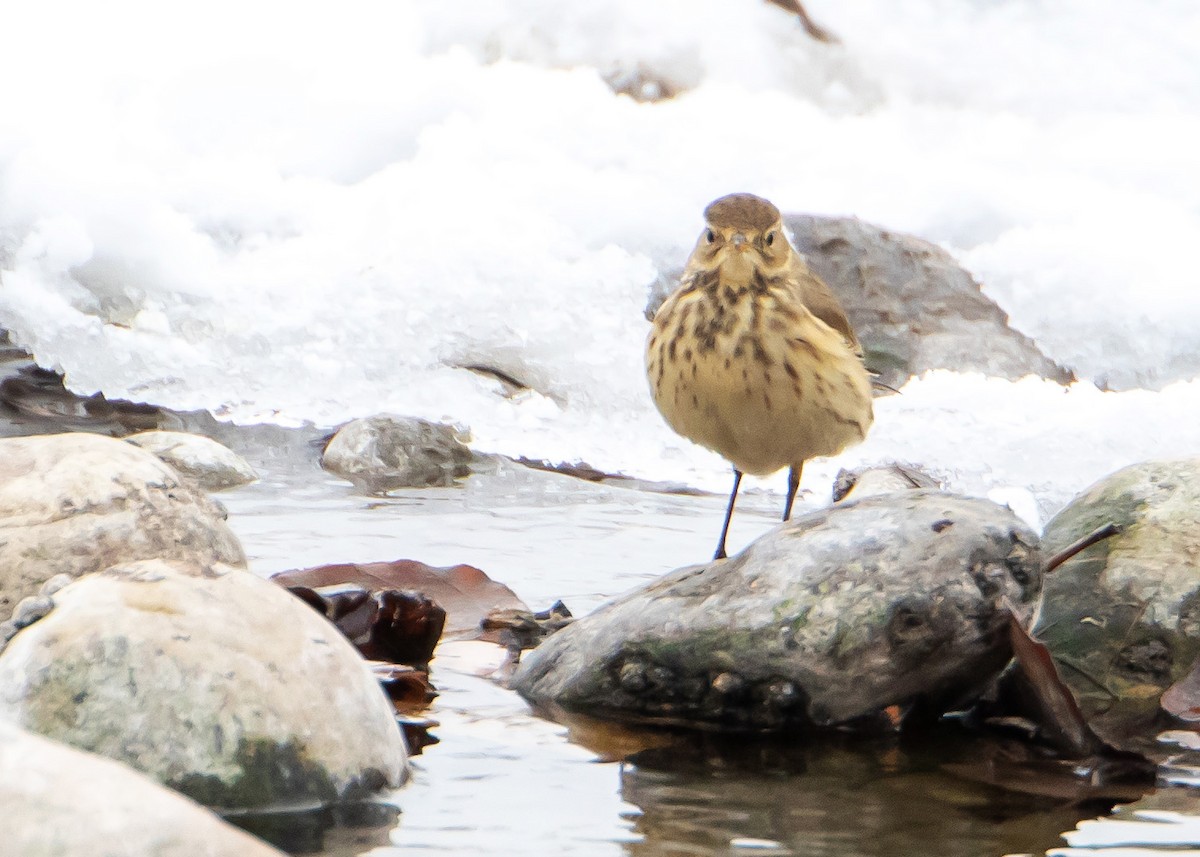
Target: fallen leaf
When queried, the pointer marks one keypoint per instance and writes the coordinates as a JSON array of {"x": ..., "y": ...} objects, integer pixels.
[{"x": 463, "y": 591}]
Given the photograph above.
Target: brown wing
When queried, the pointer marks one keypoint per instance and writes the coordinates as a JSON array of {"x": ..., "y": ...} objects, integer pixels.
[{"x": 822, "y": 303}]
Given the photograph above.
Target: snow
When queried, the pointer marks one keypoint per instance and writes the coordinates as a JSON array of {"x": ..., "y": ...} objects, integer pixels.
[{"x": 280, "y": 213}]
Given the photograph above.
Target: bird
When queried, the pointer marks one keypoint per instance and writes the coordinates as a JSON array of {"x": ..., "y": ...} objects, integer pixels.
[{"x": 752, "y": 356}]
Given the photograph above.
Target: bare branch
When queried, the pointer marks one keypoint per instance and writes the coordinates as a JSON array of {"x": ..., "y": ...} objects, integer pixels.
[{"x": 1107, "y": 531}]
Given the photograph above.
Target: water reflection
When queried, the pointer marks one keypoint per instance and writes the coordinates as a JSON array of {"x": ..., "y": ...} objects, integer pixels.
[
  {"x": 836, "y": 798},
  {"x": 505, "y": 782},
  {"x": 332, "y": 831}
]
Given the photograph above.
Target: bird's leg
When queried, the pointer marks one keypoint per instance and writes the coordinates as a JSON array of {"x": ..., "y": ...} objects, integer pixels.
[
  {"x": 737, "y": 480},
  {"x": 793, "y": 485}
]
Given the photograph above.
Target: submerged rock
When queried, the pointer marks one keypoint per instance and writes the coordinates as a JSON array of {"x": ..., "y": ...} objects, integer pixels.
[
  {"x": 59, "y": 801},
  {"x": 77, "y": 503},
  {"x": 209, "y": 679},
  {"x": 893, "y": 600},
  {"x": 385, "y": 452},
  {"x": 214, "y": 467},
  {"x": 1122, "y": 617}
]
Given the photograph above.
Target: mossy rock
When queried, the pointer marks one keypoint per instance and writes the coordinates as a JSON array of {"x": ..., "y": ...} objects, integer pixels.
[{"x": 1122, "y": 618}]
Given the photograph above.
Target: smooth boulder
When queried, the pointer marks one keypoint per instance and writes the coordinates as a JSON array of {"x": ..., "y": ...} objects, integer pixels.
[
  {"x": 212, "y": 466},
  {"x": 892, "y": 600},
  {"x": 1122, "y": 617},
  {"x": 62, "y": 802},
  {"x": 77, "y": 503},
  {"x": 913, "y": 306},
  {"x": 210, "y": 679},
  {"x": 386, "y": 452}
]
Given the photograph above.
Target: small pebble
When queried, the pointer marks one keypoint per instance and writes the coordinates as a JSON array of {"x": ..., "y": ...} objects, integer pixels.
[
  {"x": 30, "y": 609},
  {"x": 54, "y": 584}
]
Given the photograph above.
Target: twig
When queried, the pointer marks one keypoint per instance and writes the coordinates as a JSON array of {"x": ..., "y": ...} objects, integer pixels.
[
  {"x": 1107, "y": 531},
  {"x": 810, "y": 26}
]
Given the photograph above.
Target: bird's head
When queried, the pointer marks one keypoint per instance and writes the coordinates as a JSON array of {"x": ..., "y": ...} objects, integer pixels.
[{"x": 743, "y": 235}]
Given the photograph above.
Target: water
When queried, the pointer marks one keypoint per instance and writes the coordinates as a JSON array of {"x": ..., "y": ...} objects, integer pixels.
[{"x": 504, "y": 781}]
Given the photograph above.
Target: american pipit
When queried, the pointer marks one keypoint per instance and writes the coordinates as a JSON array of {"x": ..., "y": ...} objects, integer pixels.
[{"x": 752, "y": 356}]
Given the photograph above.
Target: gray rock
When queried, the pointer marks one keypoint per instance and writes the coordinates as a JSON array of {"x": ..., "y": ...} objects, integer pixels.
[
  {"x": 30, "y": 609},
  {"x": 913, "y": 307},
  {"x": 210, "y": 679},
  {"x": 386, "y": 452},
  {"x": 213, "y": 467},
  {"x": 61, "y": 802},
  {"x": 881, "y": 479},
  {"x": 840, "y": 613},
  {"x": 1123, "y": 617},
  {"x": 77, "y": 503}
]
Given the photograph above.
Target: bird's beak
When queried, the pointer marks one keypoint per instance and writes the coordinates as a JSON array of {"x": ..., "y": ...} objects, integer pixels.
[{"x": 739, "y": 242}]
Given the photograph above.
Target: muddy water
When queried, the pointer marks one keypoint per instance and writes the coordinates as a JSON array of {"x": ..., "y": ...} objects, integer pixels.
[{"x": 503, "y": 781}]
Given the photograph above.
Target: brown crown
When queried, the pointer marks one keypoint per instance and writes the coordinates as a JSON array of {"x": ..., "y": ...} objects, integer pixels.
[{"x": 741, "y": 211}]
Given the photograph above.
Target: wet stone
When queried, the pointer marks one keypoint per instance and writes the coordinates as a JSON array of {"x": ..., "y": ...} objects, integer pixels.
[
  {"x": 385, "y": 452},
  {"x": 832, "y": 617},
  {"x": 1120, "y": 618}
]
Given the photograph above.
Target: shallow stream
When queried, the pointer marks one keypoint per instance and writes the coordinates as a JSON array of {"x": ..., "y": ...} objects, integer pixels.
[{"x": 503, "y": 781}]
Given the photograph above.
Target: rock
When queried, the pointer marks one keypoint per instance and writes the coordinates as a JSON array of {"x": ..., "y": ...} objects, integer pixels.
[
  {"x": 463, "y": 591},
  {"x": 76, "y": 503},
  {"x": 524, "y": 629},
  {"x": 213, "y": 466},
  {"x": 59, "y": 802},
  {"x": 39, "y": 399},
  {"x": 880, "y": 479},
  {"x": 893, "y": 600},
  {"x": 1122, "y": 617},
  {"x": 213, "y": 681},
  {"x": 913, "y": 307},
  {"x": 385, "y": 452}
]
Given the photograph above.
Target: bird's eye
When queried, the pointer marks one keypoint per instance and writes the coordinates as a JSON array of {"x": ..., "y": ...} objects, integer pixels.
[
  {"x": 770, "y": 238},
  {"x": 709, "y": 236}
]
